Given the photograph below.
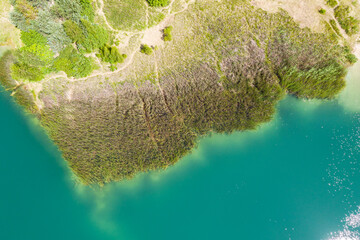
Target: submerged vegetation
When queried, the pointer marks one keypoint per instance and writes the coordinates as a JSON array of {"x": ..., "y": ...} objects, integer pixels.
[{"x": 221, "y": 75}]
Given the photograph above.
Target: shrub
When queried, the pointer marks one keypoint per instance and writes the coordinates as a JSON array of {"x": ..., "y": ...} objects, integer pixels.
[
  {"x": 68, "y": 9},
  {"x": 73, "y": 63},
  {"x": 111, "y": 54},
  {"x": 19, "y": 20},
  {"x": 39, "y": 3},
  {"x": 43, "y": 52},
  {"x": 52, "y": 30},
  {"x": 28, "y": 10},
  {"x": 348, "y": 23},
  {"x": 32, "y": 37},
  {"x": 322, "y": 11},
  {"x": 95, "y": 36},
  {"x": 146, "y": 49},
  {"x": 158, "y": 3},
  {"x": 351, "y": 58},
  {"x": 167, "y": 33},
  {"x": 335, "y": 27},
  {"x": 73, "y": 31},
  {"x": 22, "y": 71},
  {"x": 32, "y": 60},
  {"x": 332, "y": 3},
  {"x": 87, "y": 10}
]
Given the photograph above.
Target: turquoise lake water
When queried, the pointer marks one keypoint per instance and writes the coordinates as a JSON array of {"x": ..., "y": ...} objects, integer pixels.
[{"x": 297, "y": 177}]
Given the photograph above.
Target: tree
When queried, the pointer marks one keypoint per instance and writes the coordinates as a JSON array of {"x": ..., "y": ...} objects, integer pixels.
[
  {"x": 158, "y": 3},
  {"x": 73, "y": 31},
  {"x": 167, "y": 33},
  {"x": 95, "y": 36},
  {"x": 28, "y": 10},
  {"x": 111, "y": 54},
  {"x": 22, "y": 71},
  {"x": 74, "y": 64},
  {"x": 146, "y": 49},
  {"x": 87, "y": 10},
  {"x": 32, "y": 37}
]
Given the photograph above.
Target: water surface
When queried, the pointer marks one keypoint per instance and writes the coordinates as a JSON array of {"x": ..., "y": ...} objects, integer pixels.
[{"x": 297, "y": 177}]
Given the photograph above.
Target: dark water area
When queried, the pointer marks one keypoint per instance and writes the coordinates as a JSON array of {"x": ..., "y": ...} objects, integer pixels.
[{"x": 297, "y": 177}]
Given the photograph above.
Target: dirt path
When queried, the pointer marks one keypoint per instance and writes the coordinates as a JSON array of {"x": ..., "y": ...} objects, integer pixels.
[{"x": 152, "y": 36}]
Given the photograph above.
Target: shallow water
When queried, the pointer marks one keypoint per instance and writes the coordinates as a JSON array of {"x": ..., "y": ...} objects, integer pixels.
[{"x": 297, "y": 177}]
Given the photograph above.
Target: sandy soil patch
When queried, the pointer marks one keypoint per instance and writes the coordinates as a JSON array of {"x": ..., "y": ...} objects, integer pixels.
[
  {"x": 305, "y": 12},
  {"x": 153, "y": 36}
]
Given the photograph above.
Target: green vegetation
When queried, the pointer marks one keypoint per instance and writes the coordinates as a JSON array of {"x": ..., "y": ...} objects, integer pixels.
[
  {"x": 94, "y": 36},
  {"x": 349, "y": 23},
  {"x": 146, "y": 49},
  {"x": 110, "y": 54},
  {"x": 73, "y": 63},
  {"x": 129, "y": 15},
  {"x": 228, "y": 75},
  {"x": 322, "y": 11},
  {"x": 26, "y": 9},
  {"x": 74, "y": 31},
  {"x": 33, "y": 59},
  {"x": 86, "y": 35},
  {"x": 217, "y": 86},
  {"x": 158, "y": 3},
  {"x": 22, "y": 95},
  {"x": 351, "y": 58},
  {"x": 335, "y": 27},
  {"x": 323, "y": 82},
  {"x": 155, "y": 17},
  {"x": 167, "y": 33},
  {"x": 87, "y": 9},
  {"x": 332, "y": 3},
  {"x": 50, "y": 29}
]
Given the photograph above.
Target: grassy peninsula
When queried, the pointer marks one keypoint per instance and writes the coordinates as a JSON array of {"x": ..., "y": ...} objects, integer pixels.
[{"x": 124, "y": 86}]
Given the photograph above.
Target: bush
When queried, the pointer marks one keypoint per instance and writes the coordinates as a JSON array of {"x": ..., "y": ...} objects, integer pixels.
[
  {"x": 68, "y": 9},
  {"x": 73, "y": 63},
  {"x": 348, "y": 23},
  {"x": 28, "y": 10},
  {"x": 146, "y": 49},
  {"x": 167, "y": 33},
  {"x": 332, "y": 3},
  {"x": 52, "y": 30},
  {"x": 19, "y": 20},
  {"x": 95, "y": 36},
  {"x": 38, "y": 3},
  {"x": 111, "y": 54},
  {"x": 73, "y": 31},
  {"x": 158, "y": 3},
  {"x": 87, "y": 10},
  {"x": 335, "y": 27},
  {"x": 22, "y": 71},
  {"x": 32, "y": 37},
  {"x": 32, "y": 60},
  {"x": 322, "y": 11},
  {"x": 351, "y": 58}
]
